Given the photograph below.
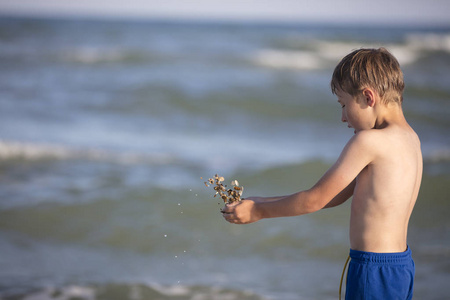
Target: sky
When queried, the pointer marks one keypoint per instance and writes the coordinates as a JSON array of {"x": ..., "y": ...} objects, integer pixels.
[{"x": 415, "y": 12}]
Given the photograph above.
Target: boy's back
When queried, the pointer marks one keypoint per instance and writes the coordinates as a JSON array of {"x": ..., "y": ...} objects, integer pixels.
[{"x": 386, "y": 189}]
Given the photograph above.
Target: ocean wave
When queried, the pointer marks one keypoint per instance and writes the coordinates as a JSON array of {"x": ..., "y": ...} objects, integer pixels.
[
  {"x": 40, "y": 151},
  {"x": 95, "y": 55},
  {"x": 132, "y": 291},
  {"x": 279, "y": 59},
  {"x": 325, "y": 53},
  {"x": 334, "y": 51},
  {"x": 429, "y": 41}
]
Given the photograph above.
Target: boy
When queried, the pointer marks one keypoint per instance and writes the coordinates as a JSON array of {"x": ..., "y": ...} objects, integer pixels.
[{"x": 381, "y": 167}]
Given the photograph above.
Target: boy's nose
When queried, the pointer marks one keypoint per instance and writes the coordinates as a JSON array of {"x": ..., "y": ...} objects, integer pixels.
[{"x": 343, "y": 118}]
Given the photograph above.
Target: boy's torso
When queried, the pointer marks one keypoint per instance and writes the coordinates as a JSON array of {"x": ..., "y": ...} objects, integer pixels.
[{"x": 386, "y": 191}]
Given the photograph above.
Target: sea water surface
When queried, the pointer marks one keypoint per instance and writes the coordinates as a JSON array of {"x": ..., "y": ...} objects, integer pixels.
[{"x": 107, "y": 127}]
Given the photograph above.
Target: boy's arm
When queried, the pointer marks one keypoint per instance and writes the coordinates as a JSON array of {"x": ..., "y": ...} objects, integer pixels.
[
  {"x": 265, "y": 199},
  {"x": 335, "y": 186},
  {"x": 340, "y": 198},
  {"x": 343, "y": 196}
]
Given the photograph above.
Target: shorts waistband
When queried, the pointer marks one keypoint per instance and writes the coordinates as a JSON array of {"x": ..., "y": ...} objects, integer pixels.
[{"x": 396, "y": 258}]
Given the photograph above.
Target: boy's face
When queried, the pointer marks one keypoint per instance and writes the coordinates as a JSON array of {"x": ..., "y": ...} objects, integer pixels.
[{"x": 355, "y": 111}]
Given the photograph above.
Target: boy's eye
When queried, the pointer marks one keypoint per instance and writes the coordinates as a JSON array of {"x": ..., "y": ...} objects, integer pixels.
[{"x": 343, "y": 106}]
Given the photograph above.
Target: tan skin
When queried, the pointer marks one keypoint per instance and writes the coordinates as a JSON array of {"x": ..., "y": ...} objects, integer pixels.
[{"x": 381, "y": 167}]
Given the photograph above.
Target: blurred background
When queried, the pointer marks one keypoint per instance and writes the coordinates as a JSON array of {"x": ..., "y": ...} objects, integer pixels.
[{"x": 111, "y": 114}]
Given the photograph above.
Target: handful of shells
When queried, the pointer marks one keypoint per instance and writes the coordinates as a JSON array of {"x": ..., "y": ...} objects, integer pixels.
[{"x": 228, "y": 195}]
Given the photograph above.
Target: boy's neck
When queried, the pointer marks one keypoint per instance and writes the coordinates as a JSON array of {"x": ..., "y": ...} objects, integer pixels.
[{"x": 389, "y": 114}]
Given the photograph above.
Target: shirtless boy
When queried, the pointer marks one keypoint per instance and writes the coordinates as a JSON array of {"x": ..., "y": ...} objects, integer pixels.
[{"x": 381, "y": 167}]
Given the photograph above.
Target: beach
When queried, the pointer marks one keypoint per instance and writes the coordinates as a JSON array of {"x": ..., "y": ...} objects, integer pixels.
[{"x": 108, "y": 130}]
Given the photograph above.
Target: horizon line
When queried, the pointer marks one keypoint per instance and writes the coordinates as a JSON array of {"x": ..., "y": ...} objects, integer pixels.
[{"x": 222, "y": 20}]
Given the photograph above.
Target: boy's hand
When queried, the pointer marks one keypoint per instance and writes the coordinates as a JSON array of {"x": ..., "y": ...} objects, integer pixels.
[{"x": 242, "y": 212}]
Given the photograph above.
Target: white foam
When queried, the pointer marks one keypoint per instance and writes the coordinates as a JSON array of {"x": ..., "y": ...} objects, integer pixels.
[
  {"x": 328, "y": 53},
  {"x": 66, "y": 293},
  {"x": 334, "y": 51},
  {"x": 429, "y": 41},
  {"x": 171, "y": 290},
  {"x": 91, "y": 55},
  {"x": 39, "y": 151},
  {"x": 278, "y": 59}
]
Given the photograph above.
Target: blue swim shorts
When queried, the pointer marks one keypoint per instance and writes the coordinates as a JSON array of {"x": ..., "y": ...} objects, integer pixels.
[{"x": 380, "y": 276}]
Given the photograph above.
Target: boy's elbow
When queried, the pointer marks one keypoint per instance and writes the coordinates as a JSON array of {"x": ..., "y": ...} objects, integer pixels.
[{"x": 312, "y": 203}]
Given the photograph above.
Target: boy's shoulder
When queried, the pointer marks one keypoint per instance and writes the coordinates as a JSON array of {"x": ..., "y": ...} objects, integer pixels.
[
  {"x": 389, "y": 141},
  {"x": 373, "y": 143},
  {"x": 367, "y": 139},
  {"x": 376, "y": 147},
  {"x": 379, "y": 137}
]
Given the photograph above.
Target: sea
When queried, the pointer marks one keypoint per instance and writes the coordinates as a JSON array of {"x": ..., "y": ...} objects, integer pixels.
[{"x": 109, "y": 128}]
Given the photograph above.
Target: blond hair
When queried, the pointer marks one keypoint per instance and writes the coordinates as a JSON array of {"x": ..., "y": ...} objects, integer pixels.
[{"x": 370, "y": 68}]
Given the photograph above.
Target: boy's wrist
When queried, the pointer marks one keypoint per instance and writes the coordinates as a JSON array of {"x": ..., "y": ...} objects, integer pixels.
[{"x": 258, "y": 210}]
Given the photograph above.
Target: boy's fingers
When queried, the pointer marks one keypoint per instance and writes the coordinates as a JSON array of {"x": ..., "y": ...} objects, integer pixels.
[
  {"x": 228, "y": 217},
  {"x": 228, "y": 209},
  {"x": 228, "y": 214}
]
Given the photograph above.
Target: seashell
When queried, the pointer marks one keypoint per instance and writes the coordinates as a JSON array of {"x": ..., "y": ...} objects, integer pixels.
[{"x": 227, "y": 195}]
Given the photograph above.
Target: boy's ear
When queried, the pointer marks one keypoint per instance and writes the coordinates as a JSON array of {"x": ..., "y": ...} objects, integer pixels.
[{"x": 369, "y": 96}]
